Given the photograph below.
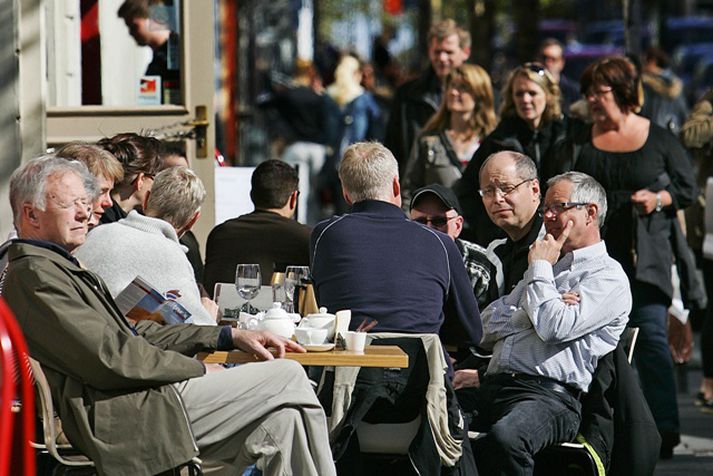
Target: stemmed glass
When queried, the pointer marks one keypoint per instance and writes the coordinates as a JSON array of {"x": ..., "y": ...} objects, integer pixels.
[
  {"x": 293, "y": 277},
  {"x": 248, "y": 281}
]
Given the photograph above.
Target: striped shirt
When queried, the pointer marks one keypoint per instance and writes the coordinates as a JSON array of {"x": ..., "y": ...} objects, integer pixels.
[{"x": 532, "y": 331}]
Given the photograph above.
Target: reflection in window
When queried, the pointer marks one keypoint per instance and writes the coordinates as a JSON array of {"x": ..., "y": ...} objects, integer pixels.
[{"x": 113, "y": 52}]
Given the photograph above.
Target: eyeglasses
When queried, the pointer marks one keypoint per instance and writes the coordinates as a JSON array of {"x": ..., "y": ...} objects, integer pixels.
[
  {"x": 558, "y": 208},
  {"x": 597, "y": 94},
  {"x": 437, "y": 221},
  {"x": 505, "y": 190}
]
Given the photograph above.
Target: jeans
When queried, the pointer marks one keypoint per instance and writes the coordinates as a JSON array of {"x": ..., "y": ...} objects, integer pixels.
[
  {"x": 520, "y": 418},
  {"x": 652, "y": 358}
]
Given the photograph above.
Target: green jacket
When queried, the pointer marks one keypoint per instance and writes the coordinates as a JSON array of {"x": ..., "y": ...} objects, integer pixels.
[{"x": 111, "y": 385}]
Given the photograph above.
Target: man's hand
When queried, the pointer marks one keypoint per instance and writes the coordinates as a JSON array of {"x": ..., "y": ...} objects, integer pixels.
[
  {"x": 211, "y": 368},
  {"x": 257, "y": 342},
  {"x": 571, "y": 298},
  {"x": 549, "y": 248},
  {"x": 466, "y": 378}
]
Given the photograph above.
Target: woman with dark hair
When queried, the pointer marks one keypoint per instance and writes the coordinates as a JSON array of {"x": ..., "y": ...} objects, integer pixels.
[
  {"x": 647, "y": 176},
  {"x": 531, "y": 122},
  {"x": 453, "y": 134},
  {"x": 141, "y": 159}
]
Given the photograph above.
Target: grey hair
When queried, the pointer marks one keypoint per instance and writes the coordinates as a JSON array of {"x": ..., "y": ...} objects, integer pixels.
[
  {"x": 524, "y": 166},
  {"x": 176, "y": 195},
  {"x": 367, "y": 171},
  {"x": 584, "y": 189},
  {"x": 28, "y": 183}
]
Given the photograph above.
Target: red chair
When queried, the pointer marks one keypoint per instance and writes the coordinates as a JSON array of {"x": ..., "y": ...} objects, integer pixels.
[{"x": 17, "y": 404}]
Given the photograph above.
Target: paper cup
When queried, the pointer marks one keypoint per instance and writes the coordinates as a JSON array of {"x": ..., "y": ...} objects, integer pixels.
[
  {"x": 355, "y": 341},
  {"x": 343, "y": 319}
]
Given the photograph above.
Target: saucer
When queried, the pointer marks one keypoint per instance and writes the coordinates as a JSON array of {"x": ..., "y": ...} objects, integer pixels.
[{"x": 318, "y": 347}]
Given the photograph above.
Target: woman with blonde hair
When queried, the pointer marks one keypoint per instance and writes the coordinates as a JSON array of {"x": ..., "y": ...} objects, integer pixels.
[
  {"x": 532, "y": 123},
  {"x": 454, "y": 133}
]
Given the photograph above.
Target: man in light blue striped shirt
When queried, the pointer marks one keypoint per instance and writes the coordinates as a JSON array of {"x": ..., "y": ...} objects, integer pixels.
[{"x": 548, "y": 334}]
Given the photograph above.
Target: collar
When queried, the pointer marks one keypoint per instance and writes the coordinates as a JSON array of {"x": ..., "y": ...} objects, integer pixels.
[
  {"x": 535, "y": 231},
  {"x": 378, "y": 207},
  {"x": 580, "y": 255},
  {"x": 49, "y": 245}
]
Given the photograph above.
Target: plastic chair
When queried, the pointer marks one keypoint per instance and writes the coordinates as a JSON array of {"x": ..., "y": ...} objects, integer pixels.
[{"x": 17, "y": 407}]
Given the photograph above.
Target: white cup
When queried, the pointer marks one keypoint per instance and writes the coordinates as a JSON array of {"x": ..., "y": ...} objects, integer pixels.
[
  {"x": 310, "y": 336},
  {"x": 355, "y": 341}
]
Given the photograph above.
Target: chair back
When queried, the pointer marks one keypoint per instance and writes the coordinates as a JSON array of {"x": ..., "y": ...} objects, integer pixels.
[{"x": 17, "y": 406}]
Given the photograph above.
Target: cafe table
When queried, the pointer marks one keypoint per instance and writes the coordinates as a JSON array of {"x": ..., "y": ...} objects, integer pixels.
[{"x": 386, "y": 356}]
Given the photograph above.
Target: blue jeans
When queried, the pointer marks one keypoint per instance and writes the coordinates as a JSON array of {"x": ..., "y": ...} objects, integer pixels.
[
  {"x": 520, "y": 418},
  {"x": 652, "y": 358}
]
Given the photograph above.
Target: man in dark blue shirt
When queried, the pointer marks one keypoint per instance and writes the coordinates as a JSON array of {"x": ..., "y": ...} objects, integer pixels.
[{"x": 381, "y": 265}]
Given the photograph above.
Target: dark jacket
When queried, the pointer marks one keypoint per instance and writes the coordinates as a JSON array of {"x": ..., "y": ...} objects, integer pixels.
[
  {"x": 262, "y": 237},
  {"x": 616, "y": 419},
  {"x": 111, "y": 382},
  {"x": 413, "y": 105},
  {"x": 511, "y": 134},
  {"x": 664, "y": 103}
]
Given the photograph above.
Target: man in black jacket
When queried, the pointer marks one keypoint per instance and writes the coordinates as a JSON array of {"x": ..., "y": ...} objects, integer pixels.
[{"x": 417, "y": 100}]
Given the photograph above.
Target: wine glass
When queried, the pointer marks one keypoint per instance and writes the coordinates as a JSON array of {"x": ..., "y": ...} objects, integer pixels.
[
  {"x": 248, "y": 282},
  {"x": 293, "y": 277}
]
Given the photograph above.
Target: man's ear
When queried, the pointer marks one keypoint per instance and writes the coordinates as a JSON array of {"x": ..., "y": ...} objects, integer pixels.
[
  {"x": 459, "y": 225},
  {"x": 145, "y": 201},
  {"x": 189, "y": 225},
  {"x": 535, "y": 184},
  {"x": 592, "y": 212},
  {"x": 28, "y": 212},
  {"x": 347, "y": 199},
  {"x": 292, "y": 201},
  {"x": 396, "y": 187}
]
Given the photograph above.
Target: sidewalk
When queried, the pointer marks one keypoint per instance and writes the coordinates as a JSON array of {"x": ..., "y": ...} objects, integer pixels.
[{"x": 694, "y": 456}]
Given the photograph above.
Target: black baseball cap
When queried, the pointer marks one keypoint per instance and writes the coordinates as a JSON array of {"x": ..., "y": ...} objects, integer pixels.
[{"x": 443, "y": 193}]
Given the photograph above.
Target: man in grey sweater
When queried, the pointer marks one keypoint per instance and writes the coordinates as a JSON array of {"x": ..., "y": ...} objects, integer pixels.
[{"x": 147, "y": 245}]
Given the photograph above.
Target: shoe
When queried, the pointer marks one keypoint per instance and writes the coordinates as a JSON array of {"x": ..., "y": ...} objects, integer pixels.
[
  {"x": 706, "y": 406},
  {"x": 669, "y": 440},
  {"x": 699, "y": 400}
]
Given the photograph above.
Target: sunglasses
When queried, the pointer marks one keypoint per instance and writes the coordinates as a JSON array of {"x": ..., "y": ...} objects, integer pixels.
[
  {"x": 436, "y": 222},
  {"x": 538, "y": 69}
]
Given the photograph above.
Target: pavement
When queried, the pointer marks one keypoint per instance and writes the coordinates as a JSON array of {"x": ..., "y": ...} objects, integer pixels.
[{"x": 694, "y": 456}]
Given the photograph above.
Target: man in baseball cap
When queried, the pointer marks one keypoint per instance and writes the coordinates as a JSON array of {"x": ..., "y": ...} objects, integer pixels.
[{"x": 437, "y": 207}]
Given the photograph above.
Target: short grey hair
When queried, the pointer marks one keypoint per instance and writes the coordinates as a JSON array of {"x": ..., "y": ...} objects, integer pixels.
[
  {"x": 367, "y": 171},
  {"x": 176, "y": 195},
  {"x": 28, "y": 183},
  {"x": 584, "y": 189},
  {"x": 524, "y": 166}
]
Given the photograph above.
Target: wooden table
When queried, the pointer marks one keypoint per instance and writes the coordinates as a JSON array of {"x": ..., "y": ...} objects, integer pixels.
[{"x": 387, "y": 356}]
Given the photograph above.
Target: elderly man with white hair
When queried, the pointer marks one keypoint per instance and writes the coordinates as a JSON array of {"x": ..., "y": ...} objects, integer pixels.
[{"x": 131, "y": 396}]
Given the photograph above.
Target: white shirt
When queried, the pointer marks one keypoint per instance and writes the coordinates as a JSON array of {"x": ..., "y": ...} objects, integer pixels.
[{"x": 532, "y": 331}]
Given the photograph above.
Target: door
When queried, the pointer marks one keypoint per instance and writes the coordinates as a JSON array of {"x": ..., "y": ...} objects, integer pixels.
[{"x": 72, "y": 24}]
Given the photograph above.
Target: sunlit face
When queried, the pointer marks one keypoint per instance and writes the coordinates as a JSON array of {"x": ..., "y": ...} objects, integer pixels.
[
  {"x": 581, "y": 216},
  {"x": 446, "y": 54},
  {"x": 430, "y": 211},
  {"x": 66, "y": 214},
  {"x": 601, "y": 102},
  {"x": 530, "y": 100},
  {"x": 514, "y": 210},
  {"x": 103, "y": 200},
  {"x": 459, "y": 97}
]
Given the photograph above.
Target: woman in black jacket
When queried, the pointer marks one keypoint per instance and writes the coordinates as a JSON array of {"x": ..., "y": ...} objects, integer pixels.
[{"x": 531, "y": 123}]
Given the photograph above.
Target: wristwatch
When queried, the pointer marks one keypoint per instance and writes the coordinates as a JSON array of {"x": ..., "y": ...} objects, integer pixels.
[{"x": 659, "y": 205}]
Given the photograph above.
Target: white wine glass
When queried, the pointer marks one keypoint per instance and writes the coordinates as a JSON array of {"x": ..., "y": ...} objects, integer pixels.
[
  {"x": 248, "y": 281},
  {"x": 293, "y": 277}
]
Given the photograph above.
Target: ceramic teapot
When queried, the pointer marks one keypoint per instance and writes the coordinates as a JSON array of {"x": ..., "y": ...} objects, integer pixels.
[
  {"x": 320, "y": 320},
  {"x": 278, "y": 321}
]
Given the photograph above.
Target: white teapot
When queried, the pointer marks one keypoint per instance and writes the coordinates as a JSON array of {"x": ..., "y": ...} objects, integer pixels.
[
  {"x": 320, "y": 320},
  {"x": 278, "y": 321}
]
